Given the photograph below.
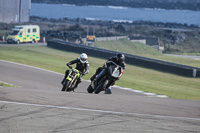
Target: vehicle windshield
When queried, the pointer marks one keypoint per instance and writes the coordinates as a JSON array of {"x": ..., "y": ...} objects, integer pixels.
[
  {"x": 18, "y": 27},
  {"x": 14, "y": 32}
]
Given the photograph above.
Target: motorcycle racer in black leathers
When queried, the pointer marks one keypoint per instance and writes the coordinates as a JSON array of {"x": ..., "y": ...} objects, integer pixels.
[
  {"x": 81, "y": 64},
  {"x": 119, "y": 59}
]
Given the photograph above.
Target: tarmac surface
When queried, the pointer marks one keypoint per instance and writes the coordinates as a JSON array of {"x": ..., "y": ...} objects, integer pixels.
[{"x": 37, "y": 105}]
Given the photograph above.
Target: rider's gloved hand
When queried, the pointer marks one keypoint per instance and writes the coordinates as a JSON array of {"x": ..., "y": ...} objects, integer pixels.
[{"x": 70, "y": 67}]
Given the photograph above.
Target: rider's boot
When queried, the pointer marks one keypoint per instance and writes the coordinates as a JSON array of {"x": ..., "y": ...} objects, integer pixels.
[
  {"x": 108, "y": 91},
  {"x": 62, "y": 82},
  {"x": 66, "y": 73}
]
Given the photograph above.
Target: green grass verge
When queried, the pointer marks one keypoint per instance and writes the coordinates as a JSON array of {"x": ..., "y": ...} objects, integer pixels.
[
  {"x": 139, "y": 78},
  {"x": 126, "y": 46},
  {"x": 6, "y": 85}
]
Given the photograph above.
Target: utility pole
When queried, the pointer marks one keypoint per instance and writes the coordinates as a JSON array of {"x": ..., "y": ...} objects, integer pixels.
[{"x": 20, "y": 4}]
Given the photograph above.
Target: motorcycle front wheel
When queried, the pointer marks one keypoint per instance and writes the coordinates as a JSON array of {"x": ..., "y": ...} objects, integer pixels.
[
  {"x": 66, "y": 86},
  {"x": 90, "y": 89},
  {"x": 101, "y": 86}
]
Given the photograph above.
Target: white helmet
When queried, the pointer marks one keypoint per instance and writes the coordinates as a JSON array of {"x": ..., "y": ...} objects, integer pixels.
[{"x": 83, "y": 58}]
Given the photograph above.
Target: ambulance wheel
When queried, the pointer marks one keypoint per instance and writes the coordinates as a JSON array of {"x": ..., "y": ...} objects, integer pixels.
[
  {"x": 18, "y": 42},
  {"x": 33, "y": 41}
]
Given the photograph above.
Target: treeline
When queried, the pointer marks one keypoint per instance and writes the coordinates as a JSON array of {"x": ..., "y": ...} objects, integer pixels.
[{"x": 163, "y": 4}]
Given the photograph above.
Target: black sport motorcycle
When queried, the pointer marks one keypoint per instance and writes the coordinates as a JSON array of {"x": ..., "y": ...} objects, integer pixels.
[{"x": 109, "y": 75}]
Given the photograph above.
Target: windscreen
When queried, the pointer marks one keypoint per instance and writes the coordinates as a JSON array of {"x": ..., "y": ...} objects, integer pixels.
[
  {"x": 116, "y": 73},
  {"x": 14, "y": 32}
]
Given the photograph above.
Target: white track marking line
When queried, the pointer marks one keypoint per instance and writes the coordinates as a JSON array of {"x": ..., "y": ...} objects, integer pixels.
[
  {"x": 142, "y": 92},
  {"x": 100, "y": 111},
  {"x": 129, "y": 89}
]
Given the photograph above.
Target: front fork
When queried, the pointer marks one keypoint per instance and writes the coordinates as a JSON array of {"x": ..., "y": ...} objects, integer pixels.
[
  {"x": 100, "y": 75},
  {"x": 71, "y": 79}
]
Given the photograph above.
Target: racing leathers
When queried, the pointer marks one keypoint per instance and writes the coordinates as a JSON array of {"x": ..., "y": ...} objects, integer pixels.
[
  {"x": 114, "y": 59},
  {"x": 98, "y": 70},
  {"x": 82, "y": 67}
]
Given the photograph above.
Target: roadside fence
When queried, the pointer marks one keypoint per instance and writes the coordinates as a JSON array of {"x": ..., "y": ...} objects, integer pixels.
[{"x": 175, "y": 68}]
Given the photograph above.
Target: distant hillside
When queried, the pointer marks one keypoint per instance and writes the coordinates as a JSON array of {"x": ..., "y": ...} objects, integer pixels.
[
  {"x": 126, "y": 46},
  {"x": 163, "y": 4}
]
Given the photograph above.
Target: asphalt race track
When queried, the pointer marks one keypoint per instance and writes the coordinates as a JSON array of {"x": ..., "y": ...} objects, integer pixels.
[{"x": 37, "y": 105}]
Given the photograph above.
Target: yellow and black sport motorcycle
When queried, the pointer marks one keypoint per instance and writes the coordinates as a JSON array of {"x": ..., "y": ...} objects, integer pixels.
[{"x": 71, "y": 80}]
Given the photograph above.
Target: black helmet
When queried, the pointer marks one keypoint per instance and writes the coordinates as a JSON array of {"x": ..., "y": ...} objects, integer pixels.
[{"x": 120, "y": 58}]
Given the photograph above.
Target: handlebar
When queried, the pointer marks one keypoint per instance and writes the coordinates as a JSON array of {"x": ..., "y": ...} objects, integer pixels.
[
  {"x": 75, "y": 70},
  {"x": 69, "y": 66}
]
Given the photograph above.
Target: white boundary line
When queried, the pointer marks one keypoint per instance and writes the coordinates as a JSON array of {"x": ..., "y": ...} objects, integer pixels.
[
  {"x": 129, "y": 89},
  {"x": 142, "y": 92},
  {"x": 99, "y": 111}
]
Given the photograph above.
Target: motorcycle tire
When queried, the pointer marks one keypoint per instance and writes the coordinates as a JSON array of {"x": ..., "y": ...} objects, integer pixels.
[
  {"x": 90, "y": 89},
  {"x": 65, "y": 86},
  {"x": 101, "y": 86}
]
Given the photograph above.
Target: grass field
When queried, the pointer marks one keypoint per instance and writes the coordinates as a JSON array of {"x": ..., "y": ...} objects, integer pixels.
[
  {"x": 6, "y": 85},
  {"x": 124, "y": 45},
  {"x": 134, "y": 77}
]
